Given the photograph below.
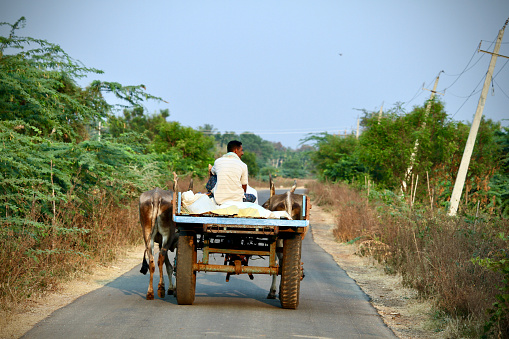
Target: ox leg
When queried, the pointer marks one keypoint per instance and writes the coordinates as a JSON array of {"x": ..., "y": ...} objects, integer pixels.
[
  {"x": 272, "y": 291},
  {"x": 169, "y": 271},
  {"x": 279, "y": 255},
  {"x": 161, "y": 292},
  {"x": 151, "y": 268}
]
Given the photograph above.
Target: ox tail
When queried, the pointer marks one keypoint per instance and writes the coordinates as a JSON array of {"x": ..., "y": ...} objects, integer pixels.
[
  {"x": 144, "y": 265},
  {"x": 156, "y": 206}
]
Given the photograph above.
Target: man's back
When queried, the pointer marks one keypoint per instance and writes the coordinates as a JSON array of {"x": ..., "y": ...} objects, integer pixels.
[{"x": 231, "y": 175}]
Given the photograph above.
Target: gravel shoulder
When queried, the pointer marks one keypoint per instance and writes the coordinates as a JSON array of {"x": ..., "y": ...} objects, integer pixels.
[{"x": 398, "y": 306}]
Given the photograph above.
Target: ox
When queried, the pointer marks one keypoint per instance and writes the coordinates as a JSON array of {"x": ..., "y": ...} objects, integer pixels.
[
  {"x": 158, "y": 227},
  {"x": 292, "y": 204}
]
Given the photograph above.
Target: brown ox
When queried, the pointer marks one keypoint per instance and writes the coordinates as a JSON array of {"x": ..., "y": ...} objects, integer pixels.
[
  {"x": 158, "y": 227},
  {"x": 290, "y": 202}
]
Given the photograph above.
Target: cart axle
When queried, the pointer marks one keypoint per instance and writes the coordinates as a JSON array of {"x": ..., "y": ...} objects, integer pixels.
[{"x": 200, "y": 267}]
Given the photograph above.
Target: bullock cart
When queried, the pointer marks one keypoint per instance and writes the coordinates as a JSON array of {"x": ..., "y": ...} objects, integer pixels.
[{"x": 239, "y": 239}]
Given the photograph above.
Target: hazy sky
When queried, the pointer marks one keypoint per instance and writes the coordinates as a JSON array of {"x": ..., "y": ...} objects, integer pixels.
[{"x": 282, "y": 69}]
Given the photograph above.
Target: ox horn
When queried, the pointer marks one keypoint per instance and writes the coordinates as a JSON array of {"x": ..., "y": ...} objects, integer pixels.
[
  {"x": 175, "y": 182},
  {"x": 294, "y": 187},
  {"x": 271, "y": 185}
]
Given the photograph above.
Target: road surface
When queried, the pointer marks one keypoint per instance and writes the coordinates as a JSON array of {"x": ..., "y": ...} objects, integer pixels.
[{"x": 331, "y": 306}]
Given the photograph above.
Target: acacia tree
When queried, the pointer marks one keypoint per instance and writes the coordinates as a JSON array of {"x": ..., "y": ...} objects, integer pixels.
[
  {"x": 38, "y": 86},
  {"x": 191, "y": 150},
  {"x": 44, "y": 120},
  {"x": 335, "y": 157}
]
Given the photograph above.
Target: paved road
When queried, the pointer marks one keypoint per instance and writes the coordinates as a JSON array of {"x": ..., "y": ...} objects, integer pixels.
[{"x": 331, "y": 306}]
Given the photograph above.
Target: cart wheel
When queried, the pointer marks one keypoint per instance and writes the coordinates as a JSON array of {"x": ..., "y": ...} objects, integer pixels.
[
  {"x": 291, "y": 273},
  {"x": 186, "y": 277}
]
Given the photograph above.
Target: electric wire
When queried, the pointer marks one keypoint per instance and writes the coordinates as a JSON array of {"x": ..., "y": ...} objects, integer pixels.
[
  {"x": 462, "y": 96},
  {"x": 501, "y": 68},
  {"x": 466, "y": 69},
  {"x": 471, "y": 94},
  {"x": 419, "y": 92},
  {"x": 501, "y": 89},
  {"x": 281, "y": 132},
  {"x": 298, "y": 130},
  {"x": 494, "y": 77},
  {"x": 475, "y": 91},
  {"x": 502, "y": 43}
]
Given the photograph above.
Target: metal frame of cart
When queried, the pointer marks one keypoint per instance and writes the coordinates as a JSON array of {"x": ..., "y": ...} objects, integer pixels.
[{"x": 239, "y": 239}]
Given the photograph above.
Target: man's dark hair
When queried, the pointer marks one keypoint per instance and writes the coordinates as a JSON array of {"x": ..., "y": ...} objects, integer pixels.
[{"x": 233, "y": 145}]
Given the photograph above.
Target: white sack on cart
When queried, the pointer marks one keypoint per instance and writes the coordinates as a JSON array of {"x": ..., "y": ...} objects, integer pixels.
[
  {"x": 197, "y": 203},
  {"x": 201, "y": 203}
]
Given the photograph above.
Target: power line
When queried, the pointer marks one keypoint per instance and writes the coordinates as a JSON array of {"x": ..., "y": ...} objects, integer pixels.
[
  {"x": 493, "y": 79},
  {"x": 476, "y": 92},
  {"x": 468, "y": 96},
  {"x": 500, "y": 87},
  {"x": 462, "y": 96},
  {"x": 279, "y": 132},
  {"x": 471, "y": 94},
  {"x": 294, "y": 129},
  {"x": 492, "y": 42},
  {"x": 418, "y": 93},
  {"x": 466, "y": 69},
  {"x": 501, "y": 68}
]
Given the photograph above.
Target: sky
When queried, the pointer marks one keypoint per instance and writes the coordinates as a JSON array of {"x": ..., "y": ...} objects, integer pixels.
[{"x": 283, "y": 69}]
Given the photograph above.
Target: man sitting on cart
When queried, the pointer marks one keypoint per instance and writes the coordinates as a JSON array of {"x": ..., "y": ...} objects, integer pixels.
[{"x": 229, "y": 176}]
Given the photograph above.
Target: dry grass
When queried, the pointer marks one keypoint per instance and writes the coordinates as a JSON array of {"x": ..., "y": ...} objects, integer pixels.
[
  {"x": 35, "y": 260},
  {"x": 356, "y": 220},
  {"x": 432, "y": 252}
]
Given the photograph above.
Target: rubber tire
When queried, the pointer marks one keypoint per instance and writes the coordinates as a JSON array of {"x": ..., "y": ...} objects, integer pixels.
[
  {"x": 291, "y": 273},
  {"x": 186, "y": 277}
]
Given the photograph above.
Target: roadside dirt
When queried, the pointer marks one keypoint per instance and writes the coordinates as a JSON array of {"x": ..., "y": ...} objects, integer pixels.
[
  {"x": 38, "y": 308},
  {"x": 398, "y": 306}
]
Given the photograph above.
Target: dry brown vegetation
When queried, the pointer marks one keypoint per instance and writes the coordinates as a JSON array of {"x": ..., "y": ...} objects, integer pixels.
[
  {"x": 432, "y": 252},
  {"x": 82, "y": 235}
]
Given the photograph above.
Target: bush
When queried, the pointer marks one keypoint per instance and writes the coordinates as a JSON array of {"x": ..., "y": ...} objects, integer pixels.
[
  {"x": 459, "y": 263},
  {"x": 40, "y": 250}
]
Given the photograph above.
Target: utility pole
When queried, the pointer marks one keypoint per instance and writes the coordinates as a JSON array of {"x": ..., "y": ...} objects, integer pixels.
[
  {"x": 358, "y": 123},
  {"x": 416, "y": 145},
  {"x": 469, "y": 147}
]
